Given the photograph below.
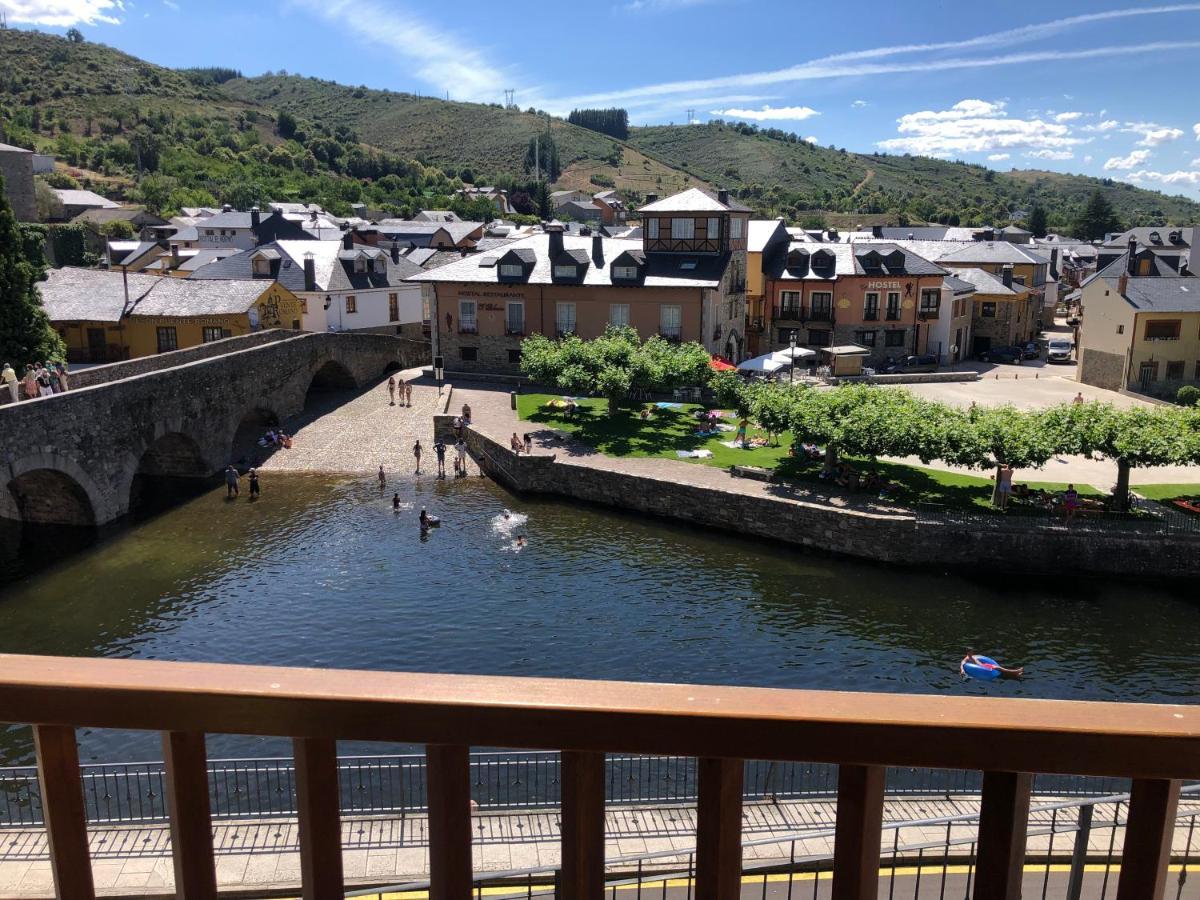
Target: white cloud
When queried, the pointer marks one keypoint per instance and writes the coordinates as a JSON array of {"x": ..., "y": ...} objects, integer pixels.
[
  {"x": 1152, "y": 133},
  {"x": 63, "y": 13},
  {"x": 1088, "y": 158},
  {"x": 1106, "y": 125},
  {"x": 662, "y": 5},
  {"x": 1179, "y": 177},
  {"x": 170, "y": 4},
  {"x": 812, "y": 139},
  {"x": 1050, "y": 154},
  {"x": 998, "y": 157},
  {"x": 976, "y": 126},
  {"x": 439, "y": 58},
  {"x": 1132, "y": 161},
  {"x": 859, "y": 104},
  {"x": 769, "y": 113},
  {"x": 1067, "y": 116},
  {"x": 1196, "y": 130}
]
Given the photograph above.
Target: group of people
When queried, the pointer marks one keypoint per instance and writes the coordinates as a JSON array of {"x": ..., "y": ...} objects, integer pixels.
[
  {"x": 1069, "y": 499},
  {"x": 39, "y": 380},
  {"x": 276, "y": 437},
  {"x": 521, "y": 445},
  {"x": 233, "y": 479},
  {"x": 846, "y": 476},
  {"x": 404, "y": 388},
  {"x": 439, "y": 449}
]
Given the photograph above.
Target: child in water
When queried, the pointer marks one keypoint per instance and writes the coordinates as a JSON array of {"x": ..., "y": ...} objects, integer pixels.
[{"x": 395, "y": 503}]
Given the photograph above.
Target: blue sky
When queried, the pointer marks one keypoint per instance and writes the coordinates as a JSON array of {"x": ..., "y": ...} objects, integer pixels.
[{"x": 1105, "y": 89}]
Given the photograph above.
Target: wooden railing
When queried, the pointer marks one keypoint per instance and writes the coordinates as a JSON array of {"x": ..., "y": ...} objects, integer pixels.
[{"x": 1156, "y": 745}]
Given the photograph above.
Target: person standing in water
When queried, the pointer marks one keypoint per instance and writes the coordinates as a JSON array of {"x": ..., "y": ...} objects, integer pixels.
[
  {"x": 417, "y": 455},
  {"x": 392, "y": 389},
  {"x": 382, "y": 478},
  {"x": 395, "y": 502},
  {"x": 231, "y": 481},
  {"x": 460, "y": 450},
  {"x": 254, "y": 484},
  {"x": 439, "y": 447}
]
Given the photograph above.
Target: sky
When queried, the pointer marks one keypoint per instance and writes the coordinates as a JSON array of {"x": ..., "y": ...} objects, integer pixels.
[{"x": 1105, "y": 89}]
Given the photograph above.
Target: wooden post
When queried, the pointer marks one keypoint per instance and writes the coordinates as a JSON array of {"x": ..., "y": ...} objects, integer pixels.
[
  {"x": 191, "y": 815},
  {"x": 63, "y": 810},
  {"x": 318, "y": 803},
  {"x": 448, "y": 768},
  {"x": 1148, "y": 834},
  {"x": 719, "y": 830},
  {"x": 856, "y": 843},
  {"x": 1003, "y": 821},
  {"x": 582, "y": 825}
]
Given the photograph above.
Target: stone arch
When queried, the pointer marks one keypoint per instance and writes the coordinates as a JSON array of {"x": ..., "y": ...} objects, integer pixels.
[
  {"x": 48, "y": 489},
  {"x": 330, "y": 377},
  {"x": 249, "y": 427},
  {"x": 392, "y": 365},
  {"x": 734, "y": 346},
  {"x": 173, "y": 460}
]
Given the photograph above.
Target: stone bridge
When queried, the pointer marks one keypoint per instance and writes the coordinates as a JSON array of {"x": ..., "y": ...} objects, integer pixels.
[{"x": 80, "y": 458}]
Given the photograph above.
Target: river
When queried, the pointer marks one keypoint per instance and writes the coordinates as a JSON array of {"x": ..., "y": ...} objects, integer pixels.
[{"x": 321, "y": 572}]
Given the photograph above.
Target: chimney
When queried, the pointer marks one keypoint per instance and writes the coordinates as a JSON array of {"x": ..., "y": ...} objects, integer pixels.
[
  {"x": 1053, "y": 260},
  {"x": 597, "y": 250},
  {"x": 876, "y": 231},
  {"x": 1007, "y": 275},
  {"x": 1122, "y": 283},
  {"x": 1131, "y": 258},
  {"x": 555, "y": 232},
  {"x": 347, "y": 241},
  {"x": 226, "y": 208},
  {"x": 310, "y": 272},
  {"x": 174, "y": 255},
  {"x": 651, "y": 198},
  {"x": 723, "y": 197},
  {"x": 255, "y": 217},
  {"x": 395, "y": 253}
]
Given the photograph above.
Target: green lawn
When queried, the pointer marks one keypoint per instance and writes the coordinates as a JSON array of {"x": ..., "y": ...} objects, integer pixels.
[
  {"x": 1167, "y": 492},
  {"x": 669, "y": 430}
]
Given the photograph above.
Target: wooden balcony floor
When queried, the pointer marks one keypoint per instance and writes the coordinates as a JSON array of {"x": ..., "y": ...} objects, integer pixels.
[{"x": 264, "y": 855}]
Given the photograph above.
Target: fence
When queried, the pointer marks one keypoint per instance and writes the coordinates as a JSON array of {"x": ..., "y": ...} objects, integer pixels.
[
  {"x": 265, "y": 788},
  {"x": 1146, "y": 519}
]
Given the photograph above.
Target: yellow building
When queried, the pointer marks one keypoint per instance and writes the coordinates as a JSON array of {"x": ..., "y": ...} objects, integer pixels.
[
  {"x": 1141, "y": 327},
  {"x": 763, "y": 236},
  {"x": 109, "y": 316}
]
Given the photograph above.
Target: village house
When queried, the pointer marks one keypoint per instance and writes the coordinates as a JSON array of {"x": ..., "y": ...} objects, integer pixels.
[
  {"x": 436, "y": 215},
  {"x": 16, "y": 168},
  {"x": 245, "y": 230},
  {"x": 1141, "y": 324},
  {"x": 98, "y": 221},
  {"x": 106, "y": 316},
  {"x": 763, "y": 237},
  {"x": 1005, "y": 311},
  {"x": 494, "y": 195},
  {"x": 341, "y": 285},
  {"x": 685, "y": 280},
  {"x": 73, "y": 202},
  {"x": 406, "y": 234},
  {"x": 611, "y": 206},
  {"x": 878, "y": 296}
]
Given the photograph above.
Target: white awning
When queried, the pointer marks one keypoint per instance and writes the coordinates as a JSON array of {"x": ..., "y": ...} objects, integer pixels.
[
  {"x": 787, "y": 354},
  {"x": 764, "y": 364}
]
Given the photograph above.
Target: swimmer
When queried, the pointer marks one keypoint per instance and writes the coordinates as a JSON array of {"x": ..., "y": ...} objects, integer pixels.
[
  {"x": 395, "y": 503},
  {"x": 521, "y": 542}
]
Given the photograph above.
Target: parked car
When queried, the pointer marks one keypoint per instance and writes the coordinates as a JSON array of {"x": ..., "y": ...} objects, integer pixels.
[
  {"x": 1029, "y": 350},
  {"x": 1058, "y": 350},
  {"x": 911, "y": 365},
  {"x": 1000, "y": 355}
]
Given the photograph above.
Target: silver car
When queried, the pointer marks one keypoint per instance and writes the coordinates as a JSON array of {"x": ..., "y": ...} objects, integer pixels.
[{"x": 1058, "y": 350}]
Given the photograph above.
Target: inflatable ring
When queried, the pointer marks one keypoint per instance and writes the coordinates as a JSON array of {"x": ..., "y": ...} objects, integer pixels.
[{"x": 987, "y": 669}]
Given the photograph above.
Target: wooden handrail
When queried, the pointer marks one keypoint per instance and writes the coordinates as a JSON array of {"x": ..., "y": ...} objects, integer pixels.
[{"x": 1150, "y": 741}]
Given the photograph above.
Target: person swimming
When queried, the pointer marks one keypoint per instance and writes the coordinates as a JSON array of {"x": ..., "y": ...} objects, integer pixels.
[{"x": 424, "y": 519}]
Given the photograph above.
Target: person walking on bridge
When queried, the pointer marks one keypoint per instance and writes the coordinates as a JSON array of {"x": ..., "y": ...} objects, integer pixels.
[{"x": 9, "y": 377}]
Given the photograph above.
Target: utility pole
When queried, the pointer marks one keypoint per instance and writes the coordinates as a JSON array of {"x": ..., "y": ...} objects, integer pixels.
[
  {"x": 509, "y": 95},
  {"x": 691, "y": 114}
]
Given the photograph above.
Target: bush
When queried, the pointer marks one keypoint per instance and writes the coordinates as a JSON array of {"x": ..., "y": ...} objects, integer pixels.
[{"x": 1188, "y": 395}]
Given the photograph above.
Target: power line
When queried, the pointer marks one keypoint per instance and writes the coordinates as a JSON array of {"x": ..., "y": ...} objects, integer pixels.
[
  {"x": 509, "y": 95},
  {"x": 691, "y": 114}
]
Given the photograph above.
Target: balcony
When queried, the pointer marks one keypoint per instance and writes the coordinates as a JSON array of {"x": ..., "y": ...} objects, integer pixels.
[
  {"x": 821, "y": 315},
  {"x": 1006, "y": 739},
  {"x": 468, "y": 328},
  {"x": 789, "y": 313},
  {"x": 927, "y": 313},
  {"x": 514, "y": 332}
]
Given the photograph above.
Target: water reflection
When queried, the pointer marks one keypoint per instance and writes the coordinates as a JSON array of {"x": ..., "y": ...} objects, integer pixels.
[{"x": 322, "y": 572}]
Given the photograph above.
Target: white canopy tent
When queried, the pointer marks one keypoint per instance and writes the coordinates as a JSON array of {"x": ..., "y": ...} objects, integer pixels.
[
  {"x": 788, "y": 354},
  {"x": 762, "y": 365}
]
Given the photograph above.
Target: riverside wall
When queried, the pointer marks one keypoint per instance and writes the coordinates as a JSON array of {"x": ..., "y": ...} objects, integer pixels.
[{"x": 899, "y": 538}]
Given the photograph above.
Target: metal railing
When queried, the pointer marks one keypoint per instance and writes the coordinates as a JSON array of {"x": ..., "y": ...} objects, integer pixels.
[
  {"x": 265, "y": 788},
  {"x": 1145, "y": 519}
]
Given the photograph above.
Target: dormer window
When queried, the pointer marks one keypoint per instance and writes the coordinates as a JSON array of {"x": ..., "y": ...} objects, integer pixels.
[
  {"x": 512, "y": 270},
  {"x": 262, "y": 266},
  {"x": 895, "y": 261},
  {"x": 360, "y": 264},
  {"x": 625, "y": 273},
  {"x": 566, "y": 271}
]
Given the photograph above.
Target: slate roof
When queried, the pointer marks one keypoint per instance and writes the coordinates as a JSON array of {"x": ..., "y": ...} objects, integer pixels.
[
  {"x": 919, "y": 233},
  {"x": 957, "y": 285},
  {"x": 84, "y": 198},
  {"x": 662, "y": 269},
  {"x": 1159, "y": 293},
  {"x": 436, "y": 215},
  {"x": 693, "y": 200},
  {"x": 190, "y": 297},
  {"x": 985, "y": 282},
  {"x": 1142, "y": 236},
  {"x": 91, "y": 295},
  {"x": 195, "y": 259},
  {"x": 421, "y": 233},
  {"x": 333, "y": 271},
  {"x": 9, "y": 148},
  {"x": 118, "y": 213},
  {"x": 848, "y": 261},
  {"x": 761, "y": 231},
  {"x": 995, "y": 252}
]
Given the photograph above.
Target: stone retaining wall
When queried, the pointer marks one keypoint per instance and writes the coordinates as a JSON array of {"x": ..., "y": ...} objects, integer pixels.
[{"x": 896, "y": 538}]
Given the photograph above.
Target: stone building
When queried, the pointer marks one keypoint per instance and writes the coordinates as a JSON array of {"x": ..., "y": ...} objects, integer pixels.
[
  {"x": 16, "y": 167},
  {"x": 1005, "y": 311}
]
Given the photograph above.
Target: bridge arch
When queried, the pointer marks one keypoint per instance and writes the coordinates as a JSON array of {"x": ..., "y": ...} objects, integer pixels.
[
  {"x": 248, "y": 427},
  {"x": 173, "y": 460},
  {"x": 50, "y": 489}
]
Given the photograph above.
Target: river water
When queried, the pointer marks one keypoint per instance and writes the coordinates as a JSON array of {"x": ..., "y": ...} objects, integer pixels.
[{"x": 321, "y": 572}]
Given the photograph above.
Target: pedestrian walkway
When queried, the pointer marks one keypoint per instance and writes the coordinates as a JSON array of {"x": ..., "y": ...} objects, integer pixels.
[{"x": 264, "y": 856}]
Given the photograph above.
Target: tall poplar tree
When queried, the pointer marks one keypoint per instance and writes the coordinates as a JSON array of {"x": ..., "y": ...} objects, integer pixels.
[{"x": 25, "y": 332}]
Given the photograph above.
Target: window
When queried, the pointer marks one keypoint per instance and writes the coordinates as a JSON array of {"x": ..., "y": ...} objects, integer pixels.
[
  {"x": 871, "y": 308},
  {"x": 468, "y": 354},
  {"x": 262, "y": 266},
  {"x": 393, "y": 308},
  {"x": 1144, "y": 269},
  {"x": 786, "y": 335},
  {"x": 426, "y": 305},
  {"x": 789, "y": 304},
  {"x": 683, "y": 229},
  {"x": 865, "y": 338},
  {"x": 512, "y": 270},
  {"x": 714, "y": 227},
  {"x": 894, "y": 338},
  {"x": 819, "y": 338},
  {"x": 351, "y": 304},
  {"x": 1162, "y": 330},
  {"x": 467, "y": 322},
  {"x": 931, "y": 302},
  {"x": 670, "y": 321},
  {"x": 618, "y": 314},
  {"x": 652, "y": 228},
  {"x": 210, "y": 232},
  {"x": 628, "y": 273},
  {"x": 564, "y": 318},
  {"x": 893, "y": 305},
  {"x": 360, "y": 264},
  {"x": 1120, "y": 329},
  {"x": 569, "y": 271},
  {"x": 514, "y": 357},
  {"x": 1175, "y": 370},
  {"x": 987, "y": 309},
  {"x": 209, "y": 334},
  {"x": 167, "y": 340},
  {"x": 514, "y": 318},
  {"x": 735, "y": 228},
  {"x": 822, "y": 306}
]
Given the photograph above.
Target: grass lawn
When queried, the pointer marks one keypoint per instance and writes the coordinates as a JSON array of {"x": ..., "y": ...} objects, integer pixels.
[
  {"x": 671, "y": 429},
  {"x": 1166, "y": 492}
]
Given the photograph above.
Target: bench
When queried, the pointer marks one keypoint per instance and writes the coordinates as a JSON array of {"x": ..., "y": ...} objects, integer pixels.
[{"x": 756, "y": 472}]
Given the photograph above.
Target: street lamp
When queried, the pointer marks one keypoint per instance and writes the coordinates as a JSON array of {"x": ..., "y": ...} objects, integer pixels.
[{"x": 792, "y": 373}]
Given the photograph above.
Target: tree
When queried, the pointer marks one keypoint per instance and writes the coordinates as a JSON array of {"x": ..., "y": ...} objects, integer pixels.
[
  {"x": 285, "y": 125},
  {"x": 25, "y": 332},
  {"x": 74, "y": 35},
  {"x": 154, "y": 193},
  {"x": 118, "y": 230},
  {"x": 542, "y": 157},
  {"x": 1096, "y": 219},
  {"x": 1037, "y": 221},
  {"x": 613, "y": 365},
  {"x": 885, "y": 422},
  {"x": 613, "y": 122},
  {"x": 1007, "y": 436}
]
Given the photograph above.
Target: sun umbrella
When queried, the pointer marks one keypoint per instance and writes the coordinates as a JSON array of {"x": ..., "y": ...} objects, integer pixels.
[
  {"x": 719, "y": 365},
  {"x": 787, "y": 354},
  {"x": 761, "y": 364}
]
